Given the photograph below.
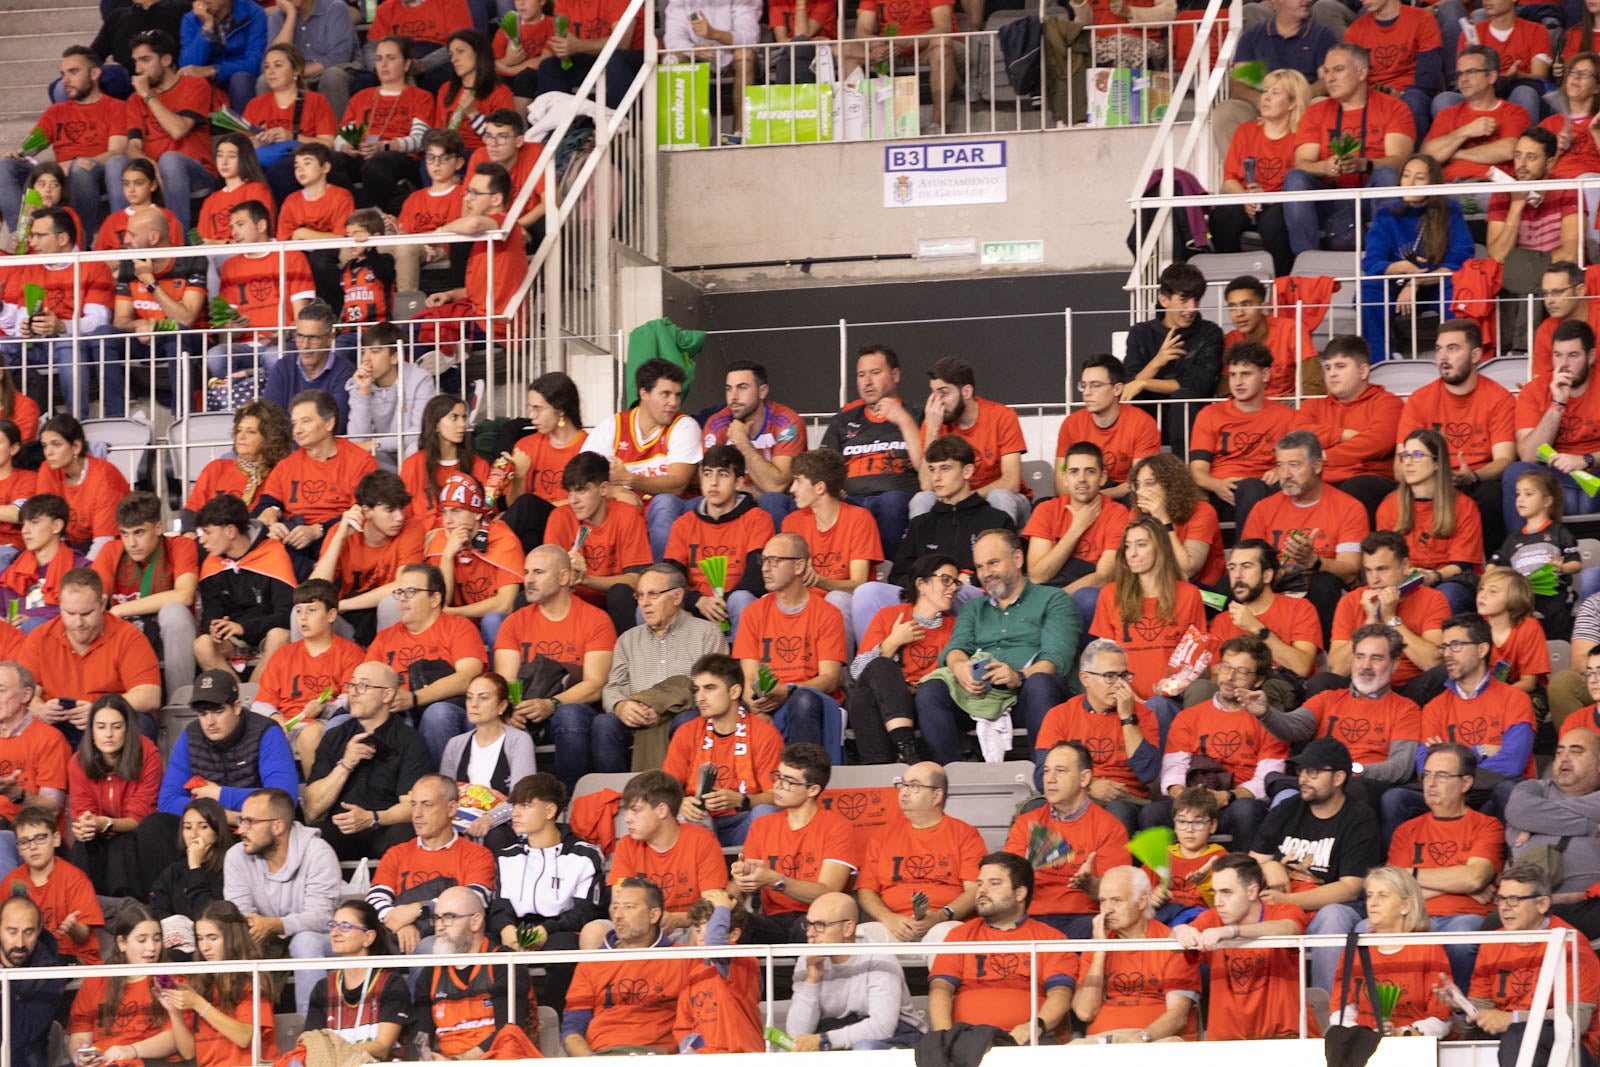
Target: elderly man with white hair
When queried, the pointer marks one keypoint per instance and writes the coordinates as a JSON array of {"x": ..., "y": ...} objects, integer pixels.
[{"x": 1140, "y": 996}]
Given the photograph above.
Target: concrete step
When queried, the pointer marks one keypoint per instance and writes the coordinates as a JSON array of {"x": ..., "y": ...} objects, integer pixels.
[
  {"x": 38, "y": 48},
  {"x": 41, "y": 70},
  {"x": 79, "y": 20}
]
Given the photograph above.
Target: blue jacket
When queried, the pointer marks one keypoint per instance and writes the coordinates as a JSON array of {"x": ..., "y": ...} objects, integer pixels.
[
  {"x": 275, "y": 769},
  {"x": 1391, "y": 236},
  {"x": 288, "y": 377},
  {"x": 242, "y": 50}
]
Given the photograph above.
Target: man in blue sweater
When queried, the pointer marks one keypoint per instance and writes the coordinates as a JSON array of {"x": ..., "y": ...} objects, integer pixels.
[
  {"x": 318, "y": 365},
  {"x": 224, "y": 41}
]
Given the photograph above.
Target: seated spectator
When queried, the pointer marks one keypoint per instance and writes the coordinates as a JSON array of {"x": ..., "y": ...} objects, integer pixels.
[
  {"x": 398, "y": 116},
  {"x": 471, "y": 93},
  {"x": 842, "y": 537},
  {"x": 1531, "y": 231},
  {"x": 1267, "y": 1006},
  {"x": 682, "y": 858},
  {"x": 76, "y": 306},
  {"x": 1522, "y": 49},
  {"x": 444, "y": 449},
  {"x": 575, "y": 52},
  {"x": 1565, "y": 296},
  {"x": 1416, "y": 614},
  {"x": 1473, "y": 129},
  {"x": 317, "y": 365},
  {"x": 240, "y": 178},
  {"x": 718, "y": 1010},
  {"x": 1123, "y": 433},
  {"x": 648, "y": 687},
  {"x": 1540, "y": 813},
  {"x": 121, "y": 1016},
  {"x": 899, "y": 648},
  {"x": 221, "y": 1013},
  {"x": 1127, "y": 754},
  {"x": 517, "y": 58},
  {"x": 329, "y": 46},
  {"x": 285, "y": 878},
  {"x": 797, "y": 853},
  {"x": 153, "y": 291},
  {"x": 431, "y": 208},
  {"x": 181, "y": 891},
  {"x": 1543, "y": 540},
  {"x": 1355, "y": 423},
  {"x": 1261, "y": 154},
  {"x": 489, "y": 754},
  {"x": 316, "y": 211},
  {"x": 1385, "y": 127},
  {"x": 168, "y": 114},
  {"x": 890, "y": 877},
  {"x": 223, "y": 42},
  {"x": 151, "y": 579},
  {"x": 1148, "y": 609},
  {"x": 261, "y": 439},
  {"x": 285, "y": 116},
  {"x": 366, "y": 278},
  {"x": 869, "y": 990},
  {"x": 993, "y": 430},
  {"x": 1287, "y": 624},
  {"x": 480, "y": 558},
  {"x": 556, "y": 413},
  {"x": 470, "y": 1004},
  {"x": 1518, "y": 650},
  {"x": 1028, "y": 633},
  {"x": 1236, "y": 774},
  {"x": 1094, "y": 840},
  {"x": 68, "y": 906},
  {"x": 1162, "y": 488},
  {"x": 114, "y": 782},
  {"x": 265, "y": 290},
  {"x": 32, "y": 581},
  {"x": 1544, "y": 418},
  {"x": 91, "y": 486},
  {"x": 426, "y": 24},
  {"x": 314, "y": 484},
  {"x": 1407, "y": 55},
  {"x": 607, "y": 540},
  {"x": 559, "y": 626},
  {"x": 881, "y": 445},
  {"x": 1177, "y": 355},
  {"x": 142, "y": 191},
  {"x": 1287, "y": 40},
  {"x": 725, "y": 523},
  {"x": 84, "y": 654},
  {"x": 1191, "y": 858},
  {"x": 1073, "y": 537},
  {"x": 386, "y": 392},
  {"x": 246, "y": 588},
  {"x": 1296, "y": 370},
  {"x": 88, "y": 124},
  {"x": 727, "y": 760},
  {"x": 503, "y": 144},
  {"x": 1115, "y": 1009},
  {"x": 298, "y": 684},
  {"x": 355, "y": 795},
  {"x": 412, "y": 875},
  {"x": 1230, "y": 448},
  {"x": 594, "y": 1019},
  {"x": 1440, "y": 523},
  {"x": 769, "y": 436},
  {"x": 962, "y": 990},
  {"x": 24, "y": 942},
  {"x": 1395, "y": 905}
]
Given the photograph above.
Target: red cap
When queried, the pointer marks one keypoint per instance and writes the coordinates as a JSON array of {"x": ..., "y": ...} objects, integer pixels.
[{"x": 461, "y": 491}]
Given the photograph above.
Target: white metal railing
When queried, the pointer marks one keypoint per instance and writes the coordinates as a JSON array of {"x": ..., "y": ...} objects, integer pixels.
[{"x": 1556, "y": 974}]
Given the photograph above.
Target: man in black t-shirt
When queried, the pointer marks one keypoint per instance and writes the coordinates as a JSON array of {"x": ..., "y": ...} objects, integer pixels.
[
  {"x": 1316, "y": 849},
  {"x": 881, "y": 445},
  {"x": 365, "y": 767}
]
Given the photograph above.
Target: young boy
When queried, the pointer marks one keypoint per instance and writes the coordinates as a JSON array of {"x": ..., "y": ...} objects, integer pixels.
[
  {"x": 725, "y": 522},
  {"x": 428, "y": 209},
  {"x": 843, "y": 538},
  {"x": 481, "y": 573},
  {"x": 383, "y": 381},
  {"x": 1194, "y": 819},
  {"x": 607, "y": 540},
  {"x": 743, "y": 749},
  {"x": 1176, "y": 355},
  {"x": 717, "y": 1010},
  {"x": 151, "y": 580},
  {"x": 363, "y": 555},
  {"x": 33, "y": 580},
  {"x": 366, "y": 276},
  {"x": 67, "y": 903},
  {"x": 317, "y": 211},
  {"x": 298, "y": 675}
]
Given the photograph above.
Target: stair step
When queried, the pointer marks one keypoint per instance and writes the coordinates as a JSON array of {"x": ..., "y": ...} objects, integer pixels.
[
  {"x": 40, "y": 70},
  {"x": 41, "y": 48},
  {"x": 83, "y": 22}
]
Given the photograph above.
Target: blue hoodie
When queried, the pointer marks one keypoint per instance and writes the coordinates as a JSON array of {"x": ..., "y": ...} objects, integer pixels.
[
  {"x": 241, "y": 51},
  {"x": 1389, "y": 239}
]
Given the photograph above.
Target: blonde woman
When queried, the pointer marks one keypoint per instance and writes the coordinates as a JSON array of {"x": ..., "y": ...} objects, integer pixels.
[
  {"x": 1260, "y": 153},
  {"x": 1441, "y": 524},
  {"x": 1395, "y": 906}
]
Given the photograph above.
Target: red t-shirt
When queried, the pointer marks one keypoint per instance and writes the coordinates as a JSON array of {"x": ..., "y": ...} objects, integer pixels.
[
  {"x": 745, "y": 759},
  {"x": 546, "y": 463},
  {"x": 798, "y": 853},
  {"x": 67, "y": 890},
  {"x": 316, "y": 117},
  {"x": 794, "y": 646},
  {"x": 1101, "y": 733},
  {"x": 824, "y": 15},
  {"x": 853, "y": 536},
  {"x": 111, "y": 230},
  {"x": 1428, "y": 842},
  {"x": 390, "y": 116},
  {"x": 363, "y": 567},
  {"x": 1203, "y": 526},
  {"x": 618, "y": 543},
  {"x": 93, "y": 500},
  {"x": 428, "y": 209},
  {"x": 1367, "y": 726},
  {"x": 1509, "y": 121},
  {"x": 295, "y": 676},
  {"x": 1052, "y": 518},
  {"x": 117, "y": 661},
  {"x": 937, "y": 860},
  {"x": 510, "y": 265},
  {"x": 326, "y": 214},
  {"x": 1382, "y": 115},
  {"x": 1422, "y": 610},
  {"x": 213, "y": 219},
  {"x": 993, "y": 988},
  {"x": 1472, "y": 424},
  {"x": 136, "y": 1017},
  {"x": 1238, "y": 443},
  {"x": 1584, "y": 155},
  {"x": 1479, "y": 720},
  {"x": 1579, "y": 429},
  {"x": 212, "y": 1049},
  {"x": 1149, "y": 639},
  {"x": 1274, "y": 159},
  {"x": 38, "y": 756},
  {"x": 1291, "y": 618},
  {"x": 996, "y": 434},
  {"x": 250, "y": 284},
  {"x": 1137, "y": 984},
  {"x": 480, "y": 575},
  {"x": 692, "y": 865},
  {"x": 921, "y": 655},
  {"x": 1091, "y": 830},
  {"x": 1255, "y": 992},
  {"x": 1525, "y": 652},
  {"x": 428, "y": 20},
  {"x": 1429, "y": 550},
  {"x": 910, "y": 16},
  {"x": 1336, "y": 521},
  {"x": 318, "y": 490},
  {"x": 61, "y": 298},
  {"x": 1289, "y": 348},
  {"x": 15, "y": 489},
  {"x": 448, "y": 104},
  {"x": 1416, "y": 970},
  {"x": 594, "y": 20},
  {"x": 424, "y": 507},
  {"x": 534, "y": 36},
  {"x": 189, "y": 97},
  {"x": 694, "y": 538},
  {"x": 1395, "y": 44},
  {"x": 635, "y": 1002},
  {"x": 584, "y": 629},
  {"x": 449, "y": 639},
  {"x": 1526, "y": 42},
  {"x": 1133, "y": 436},
  {"x": 79, "y": 128},
  {"x": 1235, "y": 739},
  {"x": 1506, "y": 974}
]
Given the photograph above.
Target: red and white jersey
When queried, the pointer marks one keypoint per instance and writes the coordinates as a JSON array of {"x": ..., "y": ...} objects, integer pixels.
[{"x": 619, "y": 438}]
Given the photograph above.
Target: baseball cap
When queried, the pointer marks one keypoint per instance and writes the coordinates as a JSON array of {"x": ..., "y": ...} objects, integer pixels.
[
  {"x": 214, "y": 688},
  {"x": 460, "y": 491},
  {"x": 1323, "y": 754}
]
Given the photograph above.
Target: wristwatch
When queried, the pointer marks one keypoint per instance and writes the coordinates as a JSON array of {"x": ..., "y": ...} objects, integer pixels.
[
  {"x": 1393, "y": 623},
  {"x": 1129, "y": 721},
  {"x": 777, "y": 887},
  {"x": 823, "y": 1043},
  {"x": 1144, "y": 1035},
  {"x": 949, "y": 912}
]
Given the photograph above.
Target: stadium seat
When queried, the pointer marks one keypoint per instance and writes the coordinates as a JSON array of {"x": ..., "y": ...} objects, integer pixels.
[
  {"x": 127, "y": 443},
  {"x": 986, "y": 795},
  {"x": 1589, "y": 551},
  {"x": 197, "y": 440},
  {"x": 1509, "y": 371},
  {"x": 1040, "y": 476},
  {"x": 1560, "y": 655},
  {"x": 1403, "y": 377},
  {"x": 289, "y": 1027},
  {"x": 549, "y": 1032},
  {"x": 1220, "y": 268}
]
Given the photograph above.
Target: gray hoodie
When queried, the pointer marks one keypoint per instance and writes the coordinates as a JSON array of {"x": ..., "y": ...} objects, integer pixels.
[
  {"x": 375, "y": 414},
  {"x": 303, "y": 892}
]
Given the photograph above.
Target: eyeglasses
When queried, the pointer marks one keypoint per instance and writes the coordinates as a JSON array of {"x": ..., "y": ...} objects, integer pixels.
[
  {"x": 783, "y": 559},
  {"x": 470, "y": 191},
  {"x": 1502, "y": 898},
  {"x": 1475, "y": 70},
  {"x": 903, "y": 786},
  {"x": 246, "y": 822},
  {"x": 361, "y": 687},
  {"x": 437, "y": 157},
  {"x": 1439, "y": 776},
  {"x": 1578, "y": 74},
  {"x": 644, "y": 596},
  {"x": 406, "y": 592},
  {"x": 1191, "y": 824},
  {"x": 945, "y": 580},
  {"x": 1109, "y": 677},
  {"x": 337, "y": 927},
  {"x": 449, "y": 917},
  {"x": 31, "y": 842},
  {"x": 312, "y": 338},
  {"x": 789, "y": 783},
  {"x": 1418, "y": 454},
  {"x": 816, "y": 927},
  {"x": 508, "y": 135},
  {"x": 1455, "y": 646},
  {"x": 1549, "y": 293},
  {"x": 1225, "y": 671},
  {"x": 1592, "y": 675}
]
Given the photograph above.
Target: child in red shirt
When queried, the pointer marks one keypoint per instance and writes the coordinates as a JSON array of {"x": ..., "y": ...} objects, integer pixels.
[
  {"x": 33, "y": 579},
  {"x": 122, "y": 1016},
  {"x": 68, "y": 907},
  {"x": 318, "y": 210},
  {"x": 724, "y": 523},
  {"x": 296, "y": 681},
  {"x": 197, "y": 1006},
  {"x": 718, "y": 1010}
]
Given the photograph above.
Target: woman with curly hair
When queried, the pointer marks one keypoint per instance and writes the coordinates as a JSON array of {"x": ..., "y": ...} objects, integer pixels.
[
  {"x": 214, "y": 1018},
  {"x": 261, "y": 438},
  {"x": 121, "y": 1016},
  {"x": 1164, "y": 489}
]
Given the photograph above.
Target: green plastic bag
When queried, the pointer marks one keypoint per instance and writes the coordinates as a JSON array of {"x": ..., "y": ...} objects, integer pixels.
[
  {"x": 683, "y": 105},
  {"x": 788, "y": 114}
]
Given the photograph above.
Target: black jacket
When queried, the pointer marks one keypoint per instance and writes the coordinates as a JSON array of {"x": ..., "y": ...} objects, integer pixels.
[
  {"x": 178, "y": 890},
  {"x": 947, "y": 528},
  {"x": 574, "y": 857},
  {"x": 1197, "y": 371},
  {"x": 33, "y": 1006}
]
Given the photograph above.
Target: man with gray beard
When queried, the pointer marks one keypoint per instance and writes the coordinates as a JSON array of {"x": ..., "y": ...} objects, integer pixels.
[{"x": 466, "y": 1006}]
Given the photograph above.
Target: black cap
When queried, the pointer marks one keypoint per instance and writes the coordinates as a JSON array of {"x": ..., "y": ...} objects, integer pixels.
[
  {"x": 1323, "y": 754},
  {"x": 214, "y": 688}
]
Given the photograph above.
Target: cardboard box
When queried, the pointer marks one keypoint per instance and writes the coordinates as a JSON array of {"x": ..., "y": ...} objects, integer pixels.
[{"x": 1113, "y": 97}]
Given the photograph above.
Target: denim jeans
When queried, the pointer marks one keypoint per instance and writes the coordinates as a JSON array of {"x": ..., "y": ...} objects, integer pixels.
[
  {"x": 75, "y": 363},
  {"x": 222, "y": 360},
  {"x": 588, "y": 739},
  {"x": 84, "y": 186},
  {"x": 659, "y": 515},
  {"x": 1330, "y": 919},
  {"x": 731, "y": 829},
  {"x": 1306, "y": 218},
  {"x": 181, "y": 178},
  {"x": 892, "y": 512},
  {"x": 943, "y": 723}
]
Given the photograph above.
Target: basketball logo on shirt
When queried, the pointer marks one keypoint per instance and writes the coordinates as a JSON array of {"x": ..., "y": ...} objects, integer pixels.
[
  {"x": 1459, "y": 434},
  {"x": 1269, "y": 171},
  {"x": 72, "y": 133},
  {"x": 1386, "y": 57},
  {"x": 1125, "y": 988},
  {"x": 999, "y": 966},
  {"x": 827, "y": 562},
  {"x": 788, "y": 649},
  {"x": 306, "y": 682},
  {"x": 1245, "y": 972},
  {"x": 1440, "y": 853},
  {"x": 308, "y": 491},
  {"x": 260, "y": 290},
  {"x": 401, "y": 659},
  {"x": 850, "y": 805},
  {"x": 918, "y": 868},
  {"x": 1221, "y": 745},
  {"x": 920, "y": 657},
  {"x": 1101, "y": 749},
  {"x": 1517, "y": 985},
  {"x": 1149, "y": 630},
  {"x": 1469, "y": 732},
  {"x": 476, "y": 589},
  {"x": 704, "y": 1005},
  {"x": 1350, "y": 731}
]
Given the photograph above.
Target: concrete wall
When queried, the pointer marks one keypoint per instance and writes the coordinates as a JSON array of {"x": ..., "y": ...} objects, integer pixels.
[{"x": 1066, "y": 187}]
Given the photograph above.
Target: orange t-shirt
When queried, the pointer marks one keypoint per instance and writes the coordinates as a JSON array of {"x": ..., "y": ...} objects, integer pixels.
[
  {"x": 187, "y": 96},
  {"x": 1255, "y": 992},
  {"x": 408, "y": 865},
  {"x": 1415, "y": 969},
  {"x": 1094, "y": 830},
  {"x": 25, "y": 413},
  {"x": 745, "y": 759},
  {"x": 480, "y": 575},
  {"x": 450, "y": 639},
  {"x": 111, "y": 231},
  {"x": 213, "y": 220},
  {"x": 1203, "y": 526},
  {"x": 428, "y": 209},
  {"x": 38, "y": 756},
  {"x": 326, "y": 214},
  {"x": 1509, "y": 121},
  {"x": 363, "y": 567},
  {"x": 1288, "y": 350},
  {"x": 1525, "y": 652},
  {"x": 1235, "y": 739},
  {"x": 67, "y": 890},
  {"x": 936, "y": 860},
  {"x": 1291, "y": 618},
  {"x": 1472, "y": 424},
  {"x": 447, "y": 106},
  {"x": 1394, "y": 45},
  {"x": 1148, "y": 640},
  {"x": 619, "y": 543},
  {"x": 1544, "y": 337},
  {"x": 723, "y": 1011},
  {"x": 1506, "y": 974},
  {"x": 853, "y": 536},
  {"x": 1579, "y": 429},
  {"x": 1133, "y": 436},
  {"x": 692, "y": 865},
  {"x": 1137, "y": 984},
  {"x": 316, "y": 117},
  {"x": 1052, "y": 518},
  {"x": 1382, "y": 115},
  {"x": 318, "y": 490},
  {"x": 295, "y": 676},
  {"x": 1367, "y": 726},
  {"x": 119, "y": 659},
  {"x": 1373, "y": 415},
  {"x": 1429, "y": 551},
  {"x": 794, "y": 646},
  {"x": 220, "y": 477},
  {"x": 1422, "y": 609},
  {"x": 798, "y": 853},
  {"x": 182, "y": 557},
  {"x": 1481, "y": 720},
  {"x": 414, "y": 473},
  {"x": 693, "y": 539},
  {"x": 1274, "y": 160},
  {"x": 992, "y": 988},
  {"x": 1238, "y": 443},
  {"x": 996, "y": 434},
  {"x": 212, "y": 1049},
  {"x": 921, "y": 655},
  {"x": 547, "y": 462},
  {"x": 1336, "y": 521},
  {"x": 137, "y": 1015},
  {"x": 250, "y": 284},
  {"x": 635, "y": 1002},
  {"x": 1429, "y": 842},
  {"x": 584, "y": 629},
  {"x": 78, "y": 128},
  {"x": 1190, "y": 888},
  {"x": 93, "y": 501},
  {"x": 1101, "y": 733}
]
